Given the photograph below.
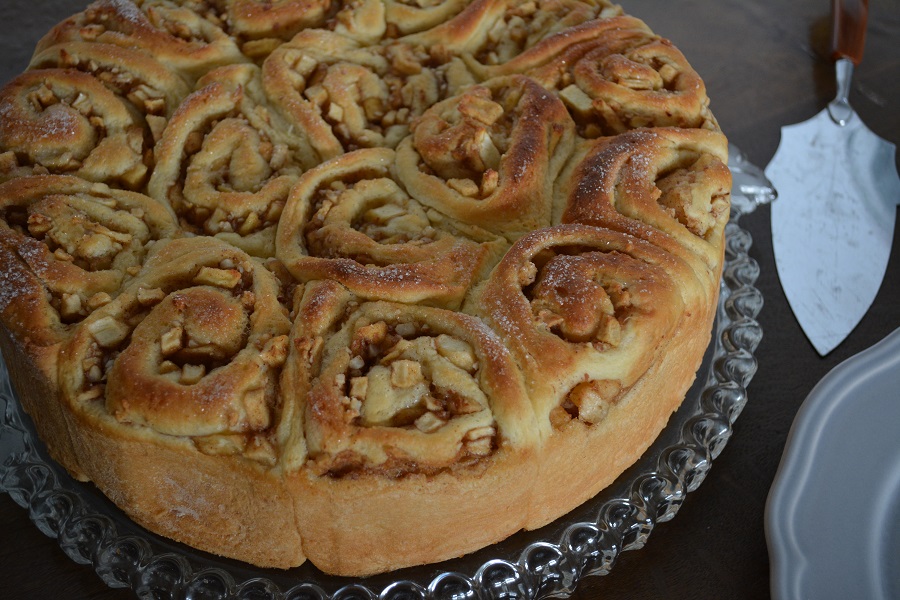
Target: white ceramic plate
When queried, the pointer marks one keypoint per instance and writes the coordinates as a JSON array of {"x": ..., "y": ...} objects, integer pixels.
[{"x": 833, "y": 513}]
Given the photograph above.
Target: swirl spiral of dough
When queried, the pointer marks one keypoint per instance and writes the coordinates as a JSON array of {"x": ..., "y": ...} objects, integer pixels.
[
  {"x": 343, "y": 96},
  {"x": 175, "y": 35},
  {"x": 224, "y": 163},
  {"x": 399, "y": 393},
  {"x": 184, "y": 365},
  {"x": 615, "y": 75},
  {"x": 488, "y": 155},
  {"x": 350, "y": 221},
  {"x": 63, "y": 121},
  {"x": 73, "y": 243},
  {"x": 491, "y": 32},
  {"x": 151, "y": 88},
  {"x": 191, "y": 347},
  {"x": 587, "y": 312},
  {"x": 675, "y": 181}
]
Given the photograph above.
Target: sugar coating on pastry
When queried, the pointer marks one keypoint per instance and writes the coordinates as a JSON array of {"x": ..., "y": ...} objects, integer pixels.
[{"x": 277, "y": 275}]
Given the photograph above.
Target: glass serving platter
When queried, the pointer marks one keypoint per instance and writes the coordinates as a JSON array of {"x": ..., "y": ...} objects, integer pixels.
[{"x": 546, "y": 563}]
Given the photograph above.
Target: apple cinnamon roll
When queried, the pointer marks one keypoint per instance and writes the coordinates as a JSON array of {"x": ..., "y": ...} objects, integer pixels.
[
  {"x": 615, "y": 75},
  {"x": 411, "y": 410},
  {"x": 349, "y": 220},
  {"x": 274, "y": 19},
  {"x": 225, "y": 163},
  {"x": 177, "y": 36},
  {"x": 410, "y": 16},
  {"x": 587, "y": 313},
  {"x": 576, "y": 41},
  {"x": 373, "y": 21},
  {"x": 70, "y": 245},
  {"x": 184, "y": 364},
  {"x": 344, "y": 96},
  {"x": 191, "y": 347},
  {"x": 151, "y": 88},
  {"x": 492, "y": 32},
  {"x": 63, "y": 121},
  {"x": 675, "y": 181},
  {"x": 489, "y": 155},
  {"x": 465, "y": 32}
]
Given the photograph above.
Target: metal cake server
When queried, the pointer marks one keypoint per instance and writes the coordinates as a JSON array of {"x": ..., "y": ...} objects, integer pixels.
[{"x": 838, "y": 189}]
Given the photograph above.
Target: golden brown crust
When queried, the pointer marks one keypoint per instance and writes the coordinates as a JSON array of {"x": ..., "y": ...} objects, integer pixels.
[
  {"x": 609, "y": 447},
  {"x": 409, "y": 276},
  {"x": 203, "y": 401},
  {"x": 344, "y": 520},
  {"x": 32, "y": 370},
  {"x": 187, "y": 495}
]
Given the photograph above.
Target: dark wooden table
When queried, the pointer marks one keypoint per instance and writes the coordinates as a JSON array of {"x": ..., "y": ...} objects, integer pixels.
[{"x": 765, "y": 63}]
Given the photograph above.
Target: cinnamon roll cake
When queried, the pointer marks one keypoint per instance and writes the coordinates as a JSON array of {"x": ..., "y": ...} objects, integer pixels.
[{"x": 366, "y": 283}]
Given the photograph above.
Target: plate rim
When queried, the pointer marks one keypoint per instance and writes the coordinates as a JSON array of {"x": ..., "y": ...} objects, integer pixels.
[{"x": 788, "y": 561}]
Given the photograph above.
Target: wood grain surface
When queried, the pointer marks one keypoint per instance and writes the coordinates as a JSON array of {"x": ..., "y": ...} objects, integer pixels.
[{"x": 766, "y": 64}]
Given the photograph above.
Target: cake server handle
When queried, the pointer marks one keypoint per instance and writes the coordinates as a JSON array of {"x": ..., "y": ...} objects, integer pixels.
[{"x": 848, "y": 41}]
